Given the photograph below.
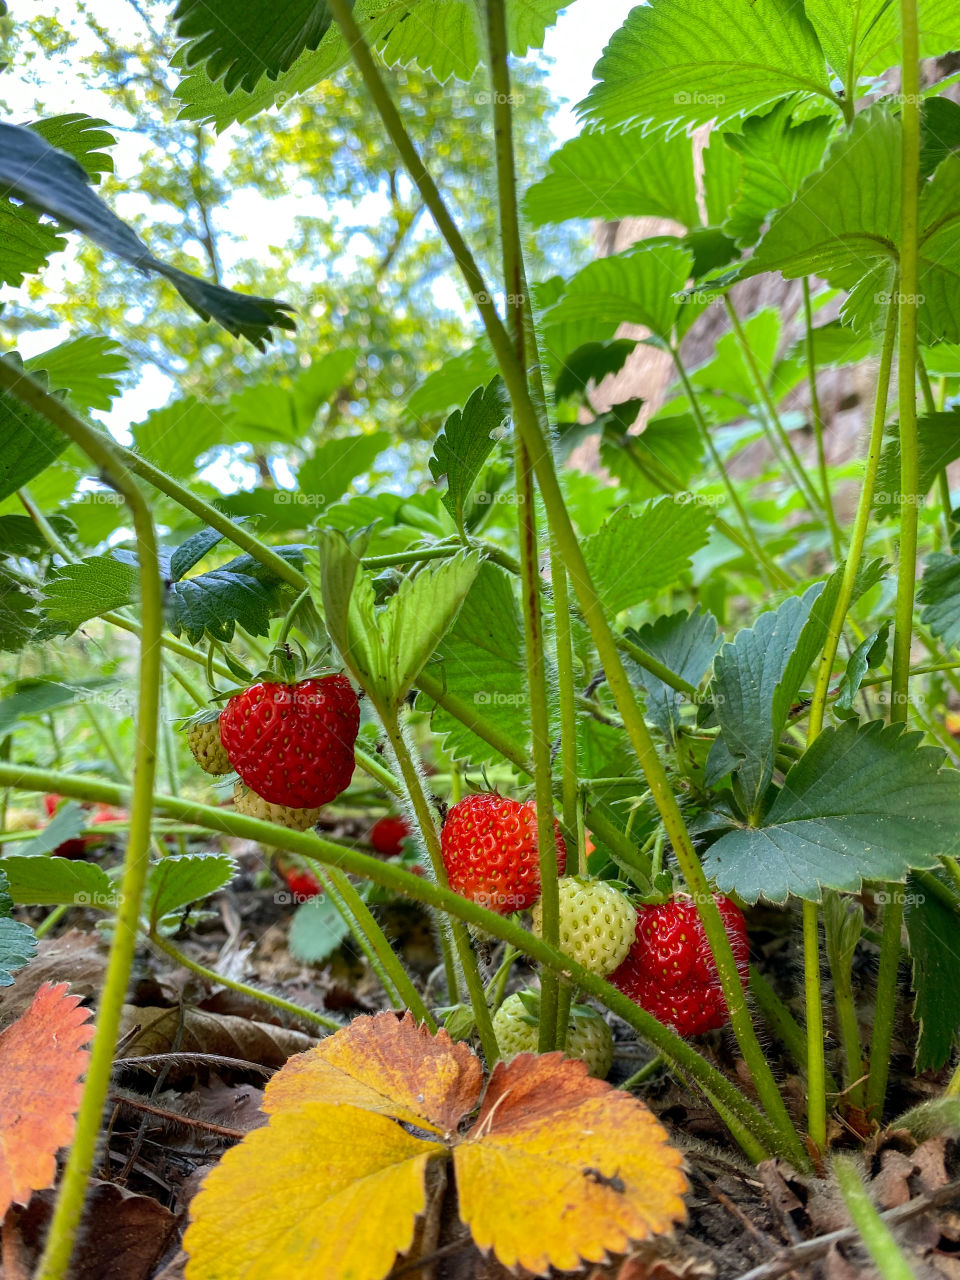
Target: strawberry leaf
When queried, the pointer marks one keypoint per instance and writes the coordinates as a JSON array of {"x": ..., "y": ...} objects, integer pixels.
[
  {"x": 862, "y": 803},
  {"x": 18, "y": 944},
  {"x": 615, "y": 175},
  {"x": 635, "y": 556},
  {"x": 36, "y": 880},
  {"x": 87, "y": 368},
  {"x": 28, "y": 441},
  {"x": 684, "y": 642},
  {"x": 933, "y": 930},
  {"x": 181, "y": 879},
  {"x": 680, "y": 62},
  {"x": 317, "y": 930},
  {"x": 939, "y": 445},
  {"x": 465, "y": 443}
]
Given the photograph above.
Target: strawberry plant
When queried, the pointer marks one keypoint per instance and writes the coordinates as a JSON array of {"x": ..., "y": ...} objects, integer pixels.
[{"x": 642, "y": 693}]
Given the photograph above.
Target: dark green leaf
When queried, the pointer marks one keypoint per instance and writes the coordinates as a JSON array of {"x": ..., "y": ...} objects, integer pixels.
[
  {"x": 18, "y": 945},
  {"x": 684, "y": 642},
  {"x": 191, "y": 552},
  {"x": 178, "y": 880},
  {"x": 592, "y": 362},
  {"x": 55, "y": 183},
  {"x": 933, "y": 930},
  {"x": 863, "y": 803},
  {"x": 465, "y": 443},
  {"x": 28, "y": 442},
  {"x": 869, "y": 653},
  {"x": 939, "y": 592},
  {"x": 939, "y": 445},
  {"x": 34, "y": 697}
]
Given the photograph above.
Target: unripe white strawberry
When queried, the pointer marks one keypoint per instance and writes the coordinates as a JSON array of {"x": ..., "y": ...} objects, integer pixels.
[
  {"x": 203, "y": 739},
  {"x": 516, "y": 1025},
  {"x": 251, "y": 805},
  {"x": 597, "y": 923}
]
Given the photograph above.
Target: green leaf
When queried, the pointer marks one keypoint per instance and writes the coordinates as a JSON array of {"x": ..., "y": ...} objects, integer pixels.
[
  {"x": 465, "y": 443},
  {"x": 454, "y": 382},
  {"x": 869, "y": 653},
  {"x": 189, "y": 554},
  {"x": 26, "y": 243},
  {"x": 57, "y": 184},
  {"x": 777, "y": 155},
  {"x": 317, "y": 929},
  {"x": 592, "y": 362},
  {"x": 327, "y": 475},
  {"x": 939, "y": 445},
  {"x": 842, "y": 27},
  {"x": 636, "y": 555},
  {"x": 747, "y": 675},
  {"x": 66, "y": 824},
  {"x": 386, "y": 649},
  {"x": 28, "y": 442},
  {"x": 864, "y": 802},
  {"x": 74, "y": 593},
  {"x": 239, "y": 43},
  {"x": 671, "y": 446},
  {"x": 178, "y": 880},
  {"x": 643, "y": 286},
  {"x": 682, "y": 62},
  {"x": 34, "y": 697},
  {"x": 933, "y": 930},
  {"x": 17, "y": 617},
  {"x": 939, "y": 592},
  {"x": 82, "y": 137},
  {"x": 616, "y": 175},
  {"x": 268, "y": 411},
  {"x": 213, "y": 603},
  {"x": 480, "y": 662},
  {"x": 87, "y": 368},
  {"x": 938, "y": 25},
  {"x": 18, "y": 943},
  {"x": 36, "y": 880},
  {"x": 175, "y": 436},
  {"x": 442, "y": 36},
  {"x": 940, "y": 125},
  {"x": 684, "y": 642}
]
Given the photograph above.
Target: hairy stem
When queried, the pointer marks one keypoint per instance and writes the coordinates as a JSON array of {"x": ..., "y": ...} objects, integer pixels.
[
  {"x": 886, "y": 999},
  {"x": 569, "y": 784},
  {"x": 817, "y": 419},
  {"x": 98, "y": 447}
]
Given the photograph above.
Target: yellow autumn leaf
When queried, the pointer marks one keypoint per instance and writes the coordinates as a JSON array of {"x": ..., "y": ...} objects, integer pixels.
[
  {"x": 388, "y": 1065},
  {"x": 324, "y": 1191},
  {"x": 561, "y": 1168}
]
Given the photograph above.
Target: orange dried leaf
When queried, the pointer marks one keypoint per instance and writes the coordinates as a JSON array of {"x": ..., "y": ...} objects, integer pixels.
[
  {"x": 561, "y": 1168},
  {"x": 325, "y": 1191},
  {"x": 388, "y": 1065},
  {"x": 41, "y": 1060}
]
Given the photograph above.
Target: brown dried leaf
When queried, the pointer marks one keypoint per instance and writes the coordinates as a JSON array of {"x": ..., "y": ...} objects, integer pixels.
[{"x": 196, "y": 1031}]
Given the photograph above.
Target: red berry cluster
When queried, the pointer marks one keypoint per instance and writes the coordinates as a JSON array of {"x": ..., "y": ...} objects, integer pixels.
[{"x": 670, "y": 971}]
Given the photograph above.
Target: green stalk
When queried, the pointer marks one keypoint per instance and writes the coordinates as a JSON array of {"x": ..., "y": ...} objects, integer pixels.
[
  {"x": 98, "y": 447},
  {"x": 526, "y": 421},
  {"x": 454, "y": 927},
  {"x": 569, "y": 785},
  {"x": 817, "y": 419},
  {"x": 874, "y": 1232},
  {"x": 886, "y": 998},
  {"x": 861, "y": 526},
  {"x": 515, "y": 288},
  {"x": 763, "y": 560},
  {"x": 677, "y": 1052},
  {"x": 244, "y": 988},
  {"x": 774, "y": 430},
  {"x": 816, "y": 1066},
  {"x": 105, "y": 741},
  {"x": 324, "y": 878}
]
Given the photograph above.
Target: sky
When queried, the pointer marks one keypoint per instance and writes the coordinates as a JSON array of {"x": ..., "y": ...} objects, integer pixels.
[{"x": 574, "y": 44}]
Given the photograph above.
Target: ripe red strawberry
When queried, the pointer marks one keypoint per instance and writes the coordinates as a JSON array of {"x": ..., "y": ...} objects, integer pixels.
[
  {"x": 670, "y": 971},
  {"x": 388, "y": 834},
  {"x": 293, "y": 743},
  {"x": 302, "y": 884},
  {"x": 489, "y": 845}
]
